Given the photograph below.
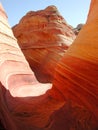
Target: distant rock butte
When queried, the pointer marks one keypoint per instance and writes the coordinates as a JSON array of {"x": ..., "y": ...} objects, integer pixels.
[
  {"x": 78, "y": 28},
  {"x": 44, "y": 36},
  {"x": 69, "y": 103}
]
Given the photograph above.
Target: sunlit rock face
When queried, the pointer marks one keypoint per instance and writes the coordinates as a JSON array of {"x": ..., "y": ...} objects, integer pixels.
[
  {"x": 70, "y": 104},
  {"x": 44, "y": 36},
  {"x": 77, "y": 73},
  {"x": 16, "y": 80}
]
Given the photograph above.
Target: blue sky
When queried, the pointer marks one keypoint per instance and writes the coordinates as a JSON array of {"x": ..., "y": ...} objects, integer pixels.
[{"x": 74, "y": 11}]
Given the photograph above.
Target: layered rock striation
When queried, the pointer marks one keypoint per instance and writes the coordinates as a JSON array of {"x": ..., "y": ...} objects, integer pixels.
[
  {"x": 71, "y": 102},
  {"x": 77, "y": 73},
  {"x": 44, "y": 36},
  {"x": 16, "y": 77}
]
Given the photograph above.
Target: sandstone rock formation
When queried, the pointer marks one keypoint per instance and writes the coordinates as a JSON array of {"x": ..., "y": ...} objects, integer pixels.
[
  {"x": 43, "y": 36},
  {"x": 78, "y": 28},
  {"x": 77, "y": 72},
  {"x": 71, "y": 103},
  {"x": 16, "y": 77}
]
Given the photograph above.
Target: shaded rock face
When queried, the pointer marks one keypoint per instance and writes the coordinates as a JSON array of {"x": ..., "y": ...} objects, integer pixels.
[
  {"x": 44, "y": 36},
  {"x": 78, "y": 28},
  {"x": 71, "y": 102}
]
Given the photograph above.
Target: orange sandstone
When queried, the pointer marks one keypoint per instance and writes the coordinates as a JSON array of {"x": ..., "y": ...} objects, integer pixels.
[
  {"x": 44, "y": 36},
  {"x": 71, "y": 103},
  {"x": 77, "y": 73}
]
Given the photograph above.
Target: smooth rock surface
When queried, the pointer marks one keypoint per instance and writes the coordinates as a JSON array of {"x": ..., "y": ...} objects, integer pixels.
[
  {"x": 16, "y": 77},
  {"x": 77, "y": 73},
  {"x": 70, "y": 104}
]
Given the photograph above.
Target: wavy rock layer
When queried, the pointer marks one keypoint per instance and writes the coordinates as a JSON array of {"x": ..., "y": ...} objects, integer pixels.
[
  {"x": 71, "y": 103},
  {"x": 16, "y": 78},
  {"x": 77, "y": 72},
  {"x": 43, "y": 36}
]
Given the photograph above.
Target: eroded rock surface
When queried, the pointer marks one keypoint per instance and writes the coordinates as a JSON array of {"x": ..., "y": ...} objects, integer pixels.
[
  {"x": 16, "y": 77},
  {"x": 44, "y": 36},
  {"x": 71, "y": 102},
  {"x": 77, "y": 73}
]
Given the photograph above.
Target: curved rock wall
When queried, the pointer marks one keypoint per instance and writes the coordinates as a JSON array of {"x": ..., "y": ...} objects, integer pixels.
[
  {"x": 70, "y": 104},
  {"x": 16, "y": 76},
  {"x": 77, "y": 73}
]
